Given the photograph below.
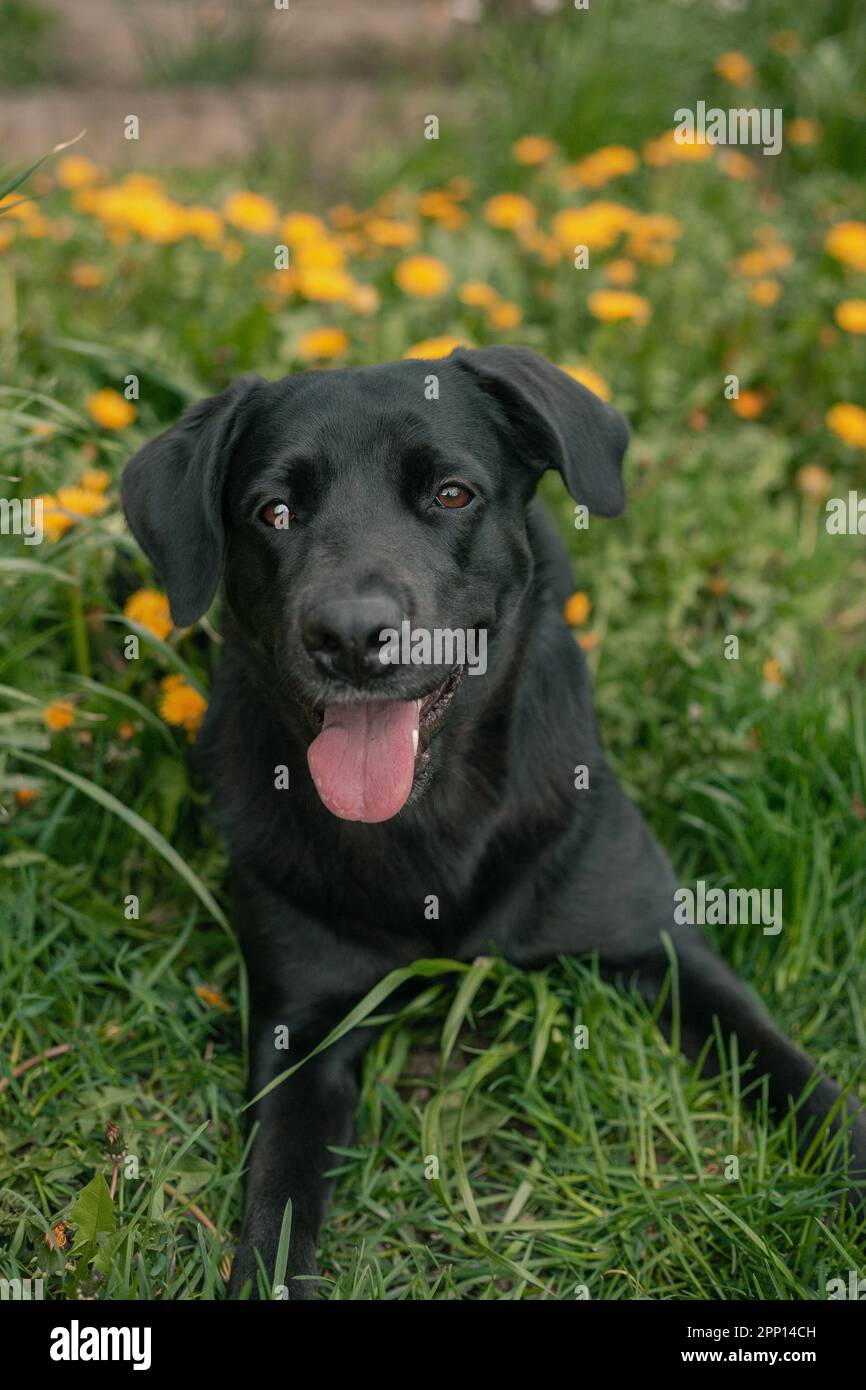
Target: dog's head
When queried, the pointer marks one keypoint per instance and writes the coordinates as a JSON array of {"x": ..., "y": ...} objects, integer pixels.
[{"x": 352, "y": 512}]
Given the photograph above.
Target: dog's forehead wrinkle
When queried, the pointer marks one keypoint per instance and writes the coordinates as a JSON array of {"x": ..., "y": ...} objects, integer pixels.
[
  {"x": 393, "y": 394},
  {"x": 375, "y": 435},
  {"x": 370, "y": 429}
]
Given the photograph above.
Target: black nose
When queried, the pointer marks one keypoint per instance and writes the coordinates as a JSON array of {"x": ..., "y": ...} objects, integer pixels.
[{"x": 343, "y": 636}]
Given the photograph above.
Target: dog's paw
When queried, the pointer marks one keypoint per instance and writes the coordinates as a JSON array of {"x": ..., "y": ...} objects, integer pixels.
[{"x": 247, "y": 1282}]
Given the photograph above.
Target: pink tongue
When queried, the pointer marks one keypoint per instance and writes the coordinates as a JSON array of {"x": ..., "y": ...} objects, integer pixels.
[{"x": 363, "y": 761}]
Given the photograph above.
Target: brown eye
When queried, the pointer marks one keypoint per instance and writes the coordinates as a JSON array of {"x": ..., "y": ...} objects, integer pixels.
[
  {"x": 277, "y": 514},
  {"x": 454, "y": 495}
]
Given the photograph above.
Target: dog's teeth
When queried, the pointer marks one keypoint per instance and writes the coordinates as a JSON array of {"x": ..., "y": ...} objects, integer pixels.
[{"x": 414, "y": 740}]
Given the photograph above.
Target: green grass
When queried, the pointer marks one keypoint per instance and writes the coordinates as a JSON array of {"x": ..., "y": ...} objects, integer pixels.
[
  {"x": 219, "y": 50},
  {"x": 28, "y": 44},
  {"x": 558, "y": 1169}
]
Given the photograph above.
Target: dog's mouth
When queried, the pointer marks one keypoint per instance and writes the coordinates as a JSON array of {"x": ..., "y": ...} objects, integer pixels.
[{"x": 367, "y": 753}]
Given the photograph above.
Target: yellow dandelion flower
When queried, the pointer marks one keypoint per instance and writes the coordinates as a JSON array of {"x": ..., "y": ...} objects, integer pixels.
[
  {"x": 658, "y": 226},
  {"x": 738, "y": 166},
  {"x": 851, "y": 315},
  {"x": 477, "y": 294},
  {"x": 533, "y": 149},
  {"x": 610, "y": 162},
  {"x": 436, "y": 203},
  {"x": 210, "y": 995},
  {"x": 390, "y": 233},
  {"x": 422, "y": 277},
  {"x": 110, "y": 410},
  {"x": 611, "y": 306},
  {"x": 772, "y": 672},
  {"x": 591, "y": 379},
  {"x": 650, "y": 238},
  {"x": 847, "y": 243},
  {"x": 749, "y": 405},
  {"x": 441, "y": 207},
  {"x": 205, "y": 224},
  {"x": 735, "y": 68},
  {"x": 620, "y": 272},
  {"x": 322, "y": 254},
  {"x": 801, "y": 130},
  {"x": 326, "y": 285},
  {"x": 596, "y": 225},
  {"x": 433, "y": 202},
  {"x": 81, "y": 502},
  {"x": 765, "y": 292},
  {"x": 299, "y": 228},
  {"x": 667, "y": 149},
  {"x": 77, "y": 171},
  {"x": 94, "y": 479},
  {"x": 157, "y": 218},
  {"x": 59, "y": 715},
  {"x": 848, "y": 422},
  {"x": 149, "y": 608},
  {"x": 761, "y": 260},
  {"x": 505, "y": 316},
  {"x": 577, "y": 610},
  {"x": 181, "y": 704},
  {"x": 321, "y": 344},
  {"x": 37, "y": 227},
  {"x": 509, "y": 210},
  {"x": 86, "y": 277},
  {"x": 435, "y": 347},
  {"x": 143, "y": 183},
  {"x": 55, "y": 522},
  {"x": 342, "y": 216},
  {"x": 23, "y": 209},
  {"x": 250, "y": 212}
]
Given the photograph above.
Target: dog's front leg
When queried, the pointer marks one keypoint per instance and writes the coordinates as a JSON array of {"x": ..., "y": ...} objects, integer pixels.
[{"x": 297, "y": 1122}]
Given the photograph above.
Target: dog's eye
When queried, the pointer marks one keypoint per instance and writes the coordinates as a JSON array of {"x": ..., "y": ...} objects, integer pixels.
[
  {"x": 277, "y": 514},
  {"x": 454, "y": 495}
]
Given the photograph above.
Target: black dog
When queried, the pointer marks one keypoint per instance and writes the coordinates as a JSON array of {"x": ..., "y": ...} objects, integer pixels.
[{"x": 338, "y": 505}]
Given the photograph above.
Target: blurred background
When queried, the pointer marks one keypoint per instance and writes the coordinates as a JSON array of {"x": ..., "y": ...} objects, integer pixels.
[{"x": 328, "y": 84}]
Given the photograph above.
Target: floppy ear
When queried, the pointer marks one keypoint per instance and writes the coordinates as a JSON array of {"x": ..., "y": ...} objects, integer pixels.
[
  {"x": 556, "y": 422},
  {"x": 172, "y": 493}
]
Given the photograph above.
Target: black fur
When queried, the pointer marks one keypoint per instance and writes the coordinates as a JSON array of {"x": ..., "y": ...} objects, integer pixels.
[{"x": 519, "y": 860}]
